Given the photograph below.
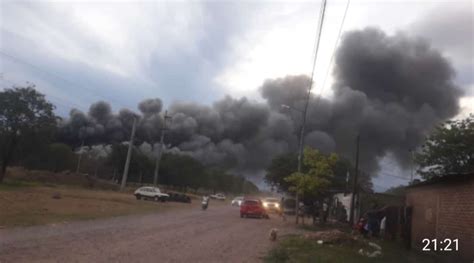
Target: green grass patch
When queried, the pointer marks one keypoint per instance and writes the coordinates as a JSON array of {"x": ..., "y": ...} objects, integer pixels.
[
  {"x": 9, "y": 185},
  {"x": 299, "y": 249}
]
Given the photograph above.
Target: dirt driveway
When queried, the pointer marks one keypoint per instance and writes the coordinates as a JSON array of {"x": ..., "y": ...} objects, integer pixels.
[{"x": 191, "y": 235}]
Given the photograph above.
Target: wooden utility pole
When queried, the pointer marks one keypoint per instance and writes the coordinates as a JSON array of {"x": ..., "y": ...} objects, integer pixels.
[
  {"x": 354, "y": 185},
  {"x": 129, "y": 155},
  {"x": 80, "y": 157},
  {"x": 160, "y": 149}
]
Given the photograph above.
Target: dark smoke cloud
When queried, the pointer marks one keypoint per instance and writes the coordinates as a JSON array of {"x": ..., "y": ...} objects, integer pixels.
[
  {"x": 150, "y": 106},
  {"x": 100, "y": 112},
  {"x": 397, "y": 69},
  {"x": 391, "y": 90}
]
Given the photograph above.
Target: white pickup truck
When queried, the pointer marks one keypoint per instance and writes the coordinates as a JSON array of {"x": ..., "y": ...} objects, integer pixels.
[{"x": 148, "y": 192}]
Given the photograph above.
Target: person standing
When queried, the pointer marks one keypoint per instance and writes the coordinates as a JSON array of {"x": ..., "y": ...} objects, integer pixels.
[{"x": 282, "y": 208}]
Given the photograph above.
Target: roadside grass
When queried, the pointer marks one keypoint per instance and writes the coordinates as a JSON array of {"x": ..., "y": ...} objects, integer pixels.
[
  {"x": 24, "y": 204},
  {"x": 328, "y": 226},
  {"x": 298, "y": 249},
  {"x": 10, "y": 185}
]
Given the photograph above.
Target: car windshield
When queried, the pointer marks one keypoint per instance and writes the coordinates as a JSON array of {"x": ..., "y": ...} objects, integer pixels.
[
  {"x": 272, "y": 200},
  {"x": 251, "y": 202}
]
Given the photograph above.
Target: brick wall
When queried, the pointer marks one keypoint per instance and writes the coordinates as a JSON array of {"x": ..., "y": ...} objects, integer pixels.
[{"x": 444, "y": 211}]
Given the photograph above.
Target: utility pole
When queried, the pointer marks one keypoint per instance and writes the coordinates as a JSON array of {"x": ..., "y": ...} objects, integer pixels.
[
  {"x": 80, "y": 157},
  {"x": 300, "y": 155},
  {"x": 347, "y": 183},
  {"x": 308, "y": 96},
  {"x": 160, "y": 149},
  {"x": 354, "y": 185},
  {"x": 129, "y": 155},
  {"x": 412, "y": 164}
]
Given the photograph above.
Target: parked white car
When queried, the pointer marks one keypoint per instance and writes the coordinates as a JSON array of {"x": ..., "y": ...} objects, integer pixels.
[
  {"x": 237, "y": 201},
  {"x": 218, "y": 196},
  {"x": 148, "y": 192}
]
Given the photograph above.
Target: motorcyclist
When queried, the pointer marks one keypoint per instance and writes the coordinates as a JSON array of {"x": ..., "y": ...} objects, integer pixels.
[{"x": 205, "y": 202}]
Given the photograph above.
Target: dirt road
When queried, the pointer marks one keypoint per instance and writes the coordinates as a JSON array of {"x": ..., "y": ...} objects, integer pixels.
[{"x": 190, "y": 235}]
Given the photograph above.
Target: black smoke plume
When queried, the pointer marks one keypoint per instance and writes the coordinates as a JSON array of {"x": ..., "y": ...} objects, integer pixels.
[{"x": 391, "y": 90}]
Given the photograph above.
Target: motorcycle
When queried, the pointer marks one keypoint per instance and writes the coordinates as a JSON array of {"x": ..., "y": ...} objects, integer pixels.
[{"x": 205, "y": 203}]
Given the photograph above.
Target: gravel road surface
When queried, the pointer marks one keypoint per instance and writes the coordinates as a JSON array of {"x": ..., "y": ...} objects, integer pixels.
[{"x": 188, "y": 235}]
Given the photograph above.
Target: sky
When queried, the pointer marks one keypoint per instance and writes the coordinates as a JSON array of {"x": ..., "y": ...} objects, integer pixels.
[{"x": 79, "y": 52}]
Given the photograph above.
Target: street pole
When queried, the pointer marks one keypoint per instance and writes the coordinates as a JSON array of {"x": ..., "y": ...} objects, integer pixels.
[
  {"x": 160, "y": 150},
  {"x": 80, "y": 157},
  {"x": 308, "y": 96},
  {"x": 412, "y": 164},
  {"x": 300, "y": 155},
  {"x": 129, "y": 155},
  {"x": 347, "y": 183},
  {"x": 354, "y": 185}
]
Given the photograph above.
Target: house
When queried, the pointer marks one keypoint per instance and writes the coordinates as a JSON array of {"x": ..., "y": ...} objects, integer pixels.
[
  {"x": 367, "y": 202},
  {"x": 345, "y": 200},
  {"x": 443, "y": 208}
]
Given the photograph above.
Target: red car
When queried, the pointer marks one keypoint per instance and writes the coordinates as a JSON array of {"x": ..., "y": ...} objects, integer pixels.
[{"x": 253, "y": 208}]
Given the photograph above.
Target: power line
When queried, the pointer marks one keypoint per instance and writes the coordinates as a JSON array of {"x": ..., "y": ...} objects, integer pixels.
[
  {"x": 308, "y": 95},
  {"x": 333, "y": 52},
  {"x": 395, "y": 176},
  {"x": 19, "y": 60},
  {"x": 316, "y": 49}
]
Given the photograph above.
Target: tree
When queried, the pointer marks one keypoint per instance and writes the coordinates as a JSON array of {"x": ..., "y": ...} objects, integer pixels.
[
  {"x": 397, "y": 190},
  {"x": 141, "y": 166},
  {"x": 448, "y": 150},
  {"x": 181, "y": 171},
  {"x": 284, "y": 165},
  {"x": 339, "y": 181},
  {"x": 281, "y": 167},
  {"x": 318, "y": 177},
  {"x": 23, "y": 112},
  {"x": 55, "y": 157}
]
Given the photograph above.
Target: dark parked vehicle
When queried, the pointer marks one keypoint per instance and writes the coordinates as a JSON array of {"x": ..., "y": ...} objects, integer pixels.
[
  {"x": 175, "y": 197},
  {"x": 289, "y": 206},
  {"x": 253, "y": 208}
]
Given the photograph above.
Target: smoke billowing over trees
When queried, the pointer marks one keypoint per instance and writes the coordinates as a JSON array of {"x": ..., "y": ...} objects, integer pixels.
[{"x": 390, "y": 89}]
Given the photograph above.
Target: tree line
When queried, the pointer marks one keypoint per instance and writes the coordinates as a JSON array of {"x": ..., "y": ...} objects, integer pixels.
[{"x": 30, "y": 136}]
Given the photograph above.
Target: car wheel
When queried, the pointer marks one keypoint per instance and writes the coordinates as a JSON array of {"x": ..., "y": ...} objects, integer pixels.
[
  {"x": 156, "y": 198},
  {"x": 138, "y": 196}
]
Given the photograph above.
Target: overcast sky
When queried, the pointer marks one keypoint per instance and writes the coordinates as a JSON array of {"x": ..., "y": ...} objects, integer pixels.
[{"x": 79, "y": 52}]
